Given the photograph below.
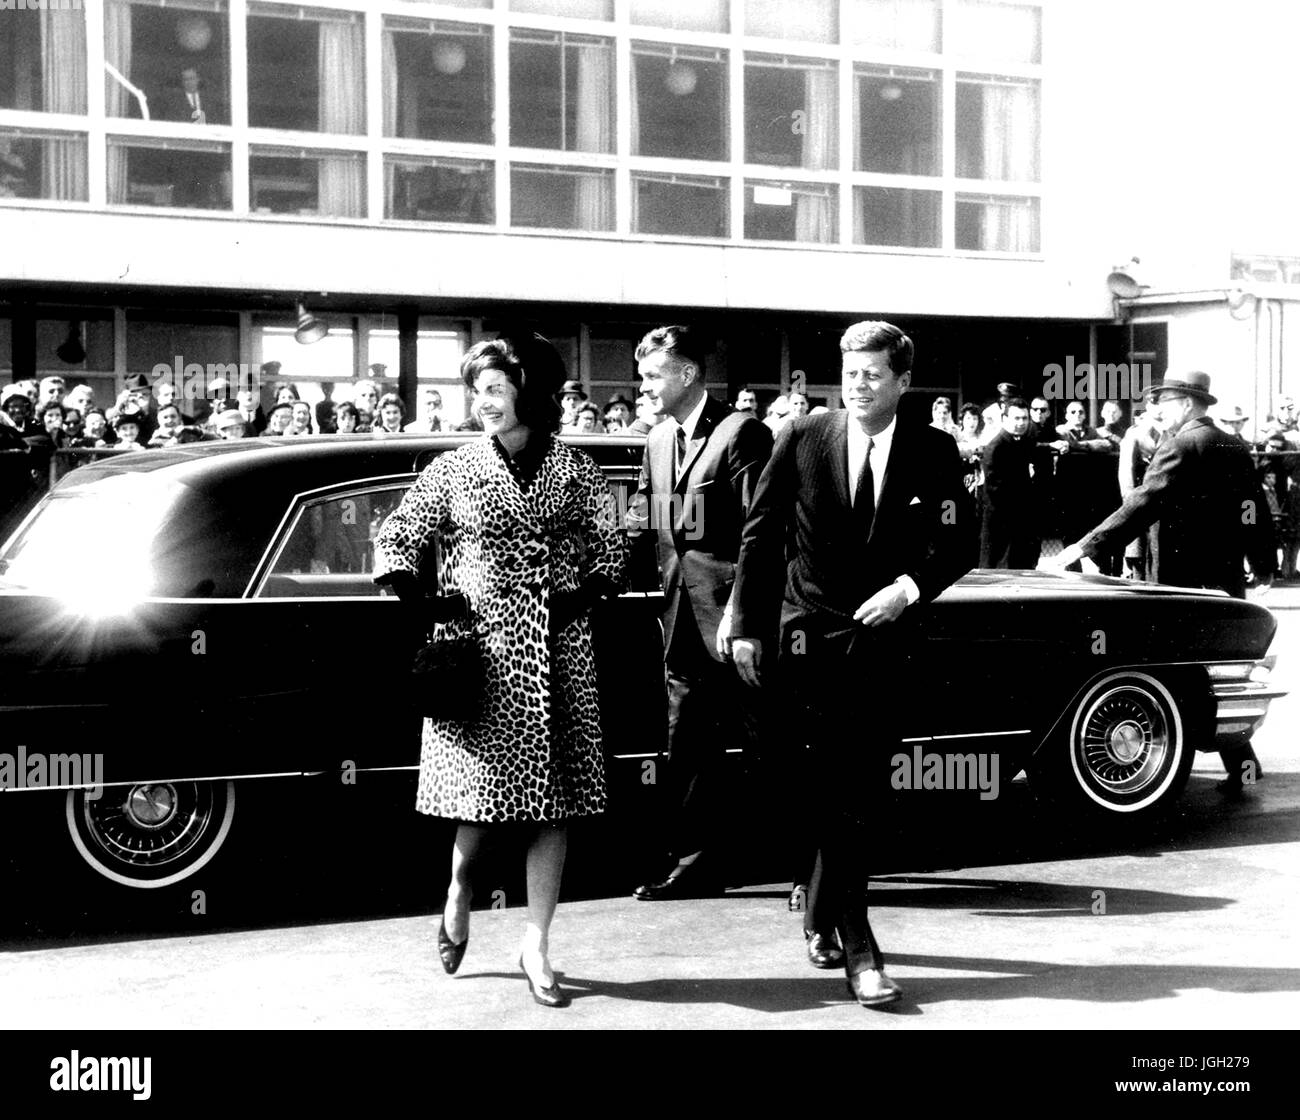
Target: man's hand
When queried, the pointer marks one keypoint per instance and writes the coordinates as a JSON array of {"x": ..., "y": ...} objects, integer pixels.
[
  {"x": 884, "y": 606},
  {"x": 722, "y": 643},
  {"x": 747, "y": 654},
  {"x": 1071, "y": 554},
  {"x": 1259, "y": 590}
]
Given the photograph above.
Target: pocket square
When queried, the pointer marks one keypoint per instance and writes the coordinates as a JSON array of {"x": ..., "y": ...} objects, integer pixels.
[{"x": 914, "y": 502}]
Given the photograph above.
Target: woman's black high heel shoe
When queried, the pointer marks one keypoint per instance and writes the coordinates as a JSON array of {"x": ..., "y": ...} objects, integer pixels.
[
  {"x": 552, "y": 996},
  {"x": 448, "y": 951}
]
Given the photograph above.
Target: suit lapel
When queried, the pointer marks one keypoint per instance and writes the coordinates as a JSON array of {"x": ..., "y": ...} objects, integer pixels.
[
  {"x": 661, "y": 459},
  {"x": 695, "y": 445},
  {"x": 837, "y": 444},
  {"x": 886, "y": 494}
]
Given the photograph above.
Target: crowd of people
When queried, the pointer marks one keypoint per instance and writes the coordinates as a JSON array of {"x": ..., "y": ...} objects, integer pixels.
[{"x": 1037, "y": 482}]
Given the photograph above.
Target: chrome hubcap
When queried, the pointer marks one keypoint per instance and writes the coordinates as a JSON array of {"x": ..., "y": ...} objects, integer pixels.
[{"x": 1124, "y": 741}]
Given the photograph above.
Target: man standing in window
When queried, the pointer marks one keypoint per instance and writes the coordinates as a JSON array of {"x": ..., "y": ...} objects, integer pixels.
[
  {"x": 192, "y": 102},
  {"x": 858, "y": 522}
]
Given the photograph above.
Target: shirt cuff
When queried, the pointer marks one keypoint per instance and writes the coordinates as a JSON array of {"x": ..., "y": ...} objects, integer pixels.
[{"x": 910, "y": 589}]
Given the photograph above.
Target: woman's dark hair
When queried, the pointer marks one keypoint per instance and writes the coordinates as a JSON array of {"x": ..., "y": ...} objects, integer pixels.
[
  {"x": 279, "y": 385},
  {"x": 973, "y": 410},
  {"x": 534, "y": 368},
  {"x": 53, "y": 406},
  {"x": 346, "y": 408},
  {"x": 390, "y": 398}
]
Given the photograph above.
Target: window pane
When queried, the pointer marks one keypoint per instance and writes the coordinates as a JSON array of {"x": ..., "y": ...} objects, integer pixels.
[
  {"x": 178, "y": 58},
  {"x": 561, "y": 198},
  {"x": 437, "y": 361},
  {"x": 94, "y": 334},
  {"x": 291, "y": 182},
  {"x": 790, "y": 212},
  {"x": 902, "y": 25},
  {"x": 575, "y": 9},
  {"x": 1006, "y": 32},
  {"x": 206, "y": 340},
  {"x": 814, "y": 20},
  {"x": 561, "y": 92},
  {"x": 437, "y": 81},
  {"x": 676, "y": 205},
  {"x": 898, "y": 121},
  {"x": 43, "y": 165},
  {"x": 698, "y": 15},
  {"x": 331, "y": 361},
  {"x": 997, "y": 128},
  {"x": 895, "y": 216},
  {"x": 997, "y": 223},
  {"x": 43, "y": 60},
  {"x": 438, "y": 190},
  {"x": 334, "y": 537},
  {"x": 306, "y": 74},
  {"x": 679, "y": 102},
  {"x": 790, "y": 112},
  {"x": 190, "y": 175}
]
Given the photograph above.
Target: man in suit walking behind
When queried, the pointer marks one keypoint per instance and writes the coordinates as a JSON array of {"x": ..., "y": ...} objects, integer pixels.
[
  {"x": 1207, "y": 510},
  {"x": 877, "y": 523},
  {"x": 698, "y": 477}
]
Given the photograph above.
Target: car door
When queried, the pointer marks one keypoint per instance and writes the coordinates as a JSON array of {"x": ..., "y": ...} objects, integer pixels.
[{"x": 338, "y": 645}]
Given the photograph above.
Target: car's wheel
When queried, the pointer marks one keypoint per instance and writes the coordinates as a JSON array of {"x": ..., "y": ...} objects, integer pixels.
[
  {"x": 153, "y": 834},
  {"x": 1126, "y": 751}
]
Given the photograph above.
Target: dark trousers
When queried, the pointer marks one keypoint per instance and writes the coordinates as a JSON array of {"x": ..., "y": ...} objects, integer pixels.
[
  {"x": 848, "y": 783},
  {"x": 708, "y": 712}
]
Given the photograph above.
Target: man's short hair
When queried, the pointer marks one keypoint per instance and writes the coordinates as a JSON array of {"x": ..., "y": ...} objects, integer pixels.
[
  {"x": 874, "y": 334},
  {"x": 1016, "y": 402},
  {"x": 681, "y": 342}
]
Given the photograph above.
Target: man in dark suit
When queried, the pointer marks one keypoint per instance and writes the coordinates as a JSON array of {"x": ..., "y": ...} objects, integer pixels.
[
  {"x": 698, "y": 476},
  {"x": 1009, "y": 535},
  {"x": 193, "y": 102},
  {"x": 858, "y": 522},
  {"x": 1205, "y": 509}
]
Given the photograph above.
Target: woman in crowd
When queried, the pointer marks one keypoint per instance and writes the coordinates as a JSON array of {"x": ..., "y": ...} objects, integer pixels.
[
  {"x": 528, "y": 536},
  {"x": 345, "y": 418},
  {"x": 303, "y": 421},
  {"x": 391, "y": 413},
  {"x": 941, "y": 417},
  {"x": 285, "y": 392},
  {"x": 970, "y": 445}
]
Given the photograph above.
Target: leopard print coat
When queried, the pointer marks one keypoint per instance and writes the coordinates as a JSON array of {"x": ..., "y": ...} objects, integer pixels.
[{"x": 534, "y": 753}]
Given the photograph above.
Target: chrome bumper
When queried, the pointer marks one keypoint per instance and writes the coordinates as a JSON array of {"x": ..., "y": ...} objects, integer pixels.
[{"x": 1242, "y": 704}]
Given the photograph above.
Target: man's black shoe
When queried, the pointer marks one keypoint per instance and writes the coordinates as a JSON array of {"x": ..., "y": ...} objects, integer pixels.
[
  {"x": 823, "y": 952},
  {"x": 686, "y": 880}
]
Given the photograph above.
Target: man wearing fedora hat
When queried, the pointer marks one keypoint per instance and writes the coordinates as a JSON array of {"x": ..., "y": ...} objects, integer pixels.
[{"x": 1202, "y": 503}]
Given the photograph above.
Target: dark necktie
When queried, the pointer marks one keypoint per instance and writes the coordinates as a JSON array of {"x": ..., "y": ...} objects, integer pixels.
[
  {"x": 681, "y": 453},
  {"x": 864, "y": 496}
]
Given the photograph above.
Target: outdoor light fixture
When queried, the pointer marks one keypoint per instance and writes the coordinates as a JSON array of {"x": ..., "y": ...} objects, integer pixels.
[
  {"x": 1124, "y": 280},
  {"x": 681, "y": 79},
  {"x": 72, "y": 351},
  {"x": 1242, "y": 303},
  {"x": 194, "y": 33},
  {"x": 449, "y": 57},
  {"x": 310, "y": 329}
]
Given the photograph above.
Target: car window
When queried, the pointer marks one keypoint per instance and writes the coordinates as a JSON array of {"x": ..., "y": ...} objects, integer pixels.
[{"x": 329, "y": 548}]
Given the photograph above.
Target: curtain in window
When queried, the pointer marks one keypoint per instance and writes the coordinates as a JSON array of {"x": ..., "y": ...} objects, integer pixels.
[
  {"x": 812, "y": 212},
  {"x": 63, "y": 72},
  {"x": 341, "y": 180},
  {"x": 1008, "y": 226},
  {"x": 593, "y": 200},
  {"x": 389, "y": 80},
  {"x": 1010, "y": 131},
  {"x": 813, "y": 217},
  {"x": 117, "y": 49}
]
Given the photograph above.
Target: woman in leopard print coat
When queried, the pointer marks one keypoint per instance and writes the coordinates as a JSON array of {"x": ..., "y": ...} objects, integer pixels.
[{"x": 528, "y": 534}]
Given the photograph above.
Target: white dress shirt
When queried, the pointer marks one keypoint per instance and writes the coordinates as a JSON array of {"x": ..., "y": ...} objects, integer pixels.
[
  {"x": 881, "y": 444},
  {"x": 692, "y": 420}
]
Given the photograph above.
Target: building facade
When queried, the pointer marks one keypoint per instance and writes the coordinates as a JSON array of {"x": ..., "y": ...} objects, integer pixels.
[{"x": 176, "y": 177}]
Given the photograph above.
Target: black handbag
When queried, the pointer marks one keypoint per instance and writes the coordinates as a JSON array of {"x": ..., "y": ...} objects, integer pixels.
[{"x": 448, "y": 675}]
